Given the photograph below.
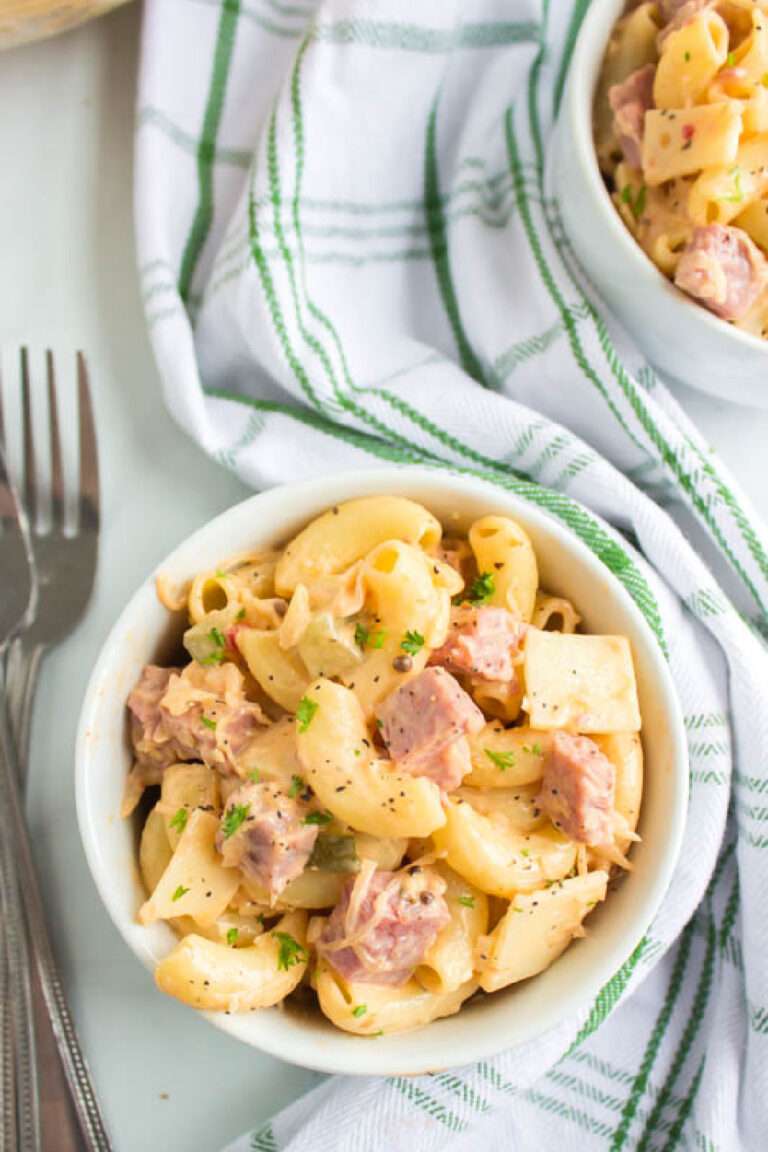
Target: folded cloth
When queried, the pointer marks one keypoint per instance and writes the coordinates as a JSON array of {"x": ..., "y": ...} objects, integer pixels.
[{"x": 351, "y": 254}]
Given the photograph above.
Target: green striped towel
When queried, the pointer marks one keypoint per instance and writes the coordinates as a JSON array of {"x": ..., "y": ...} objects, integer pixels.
[{"x": 351, "y": 254}]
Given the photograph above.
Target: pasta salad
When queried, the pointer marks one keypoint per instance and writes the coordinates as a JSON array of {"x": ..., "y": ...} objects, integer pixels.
[
  {"x": 681, "y": 132},
  {"x": 389, "y": 771}
]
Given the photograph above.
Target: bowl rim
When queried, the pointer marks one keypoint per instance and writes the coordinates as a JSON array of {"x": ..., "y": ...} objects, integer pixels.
[
  {"x": 295, "y": 1045},
  {"x": 583, "y": 74}
]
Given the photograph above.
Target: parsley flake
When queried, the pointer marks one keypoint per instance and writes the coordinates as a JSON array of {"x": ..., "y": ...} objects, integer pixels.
[
  {"x": 687, "y": 57},
  {"x": 219, "y": 643},
  {"x": 305, "y": 712},
  {"x": 730, "y": 59},
  {"x": 366, "y": 639},
  {"x": 296, "y": 786},
  {"x": 232, "y": 936},
  {"x": 482, "y": 588},
  {"x": 359, "y": 1010},
  {"x": 255, "y": 775},
  {"x": 533, "y": 749},
  {"x": 412, "y": 642},
  {"x": 206, "y": 720},
  {"x": 233, "y": 818},
  {"x": 467, "y": 901},
  {"x": 738, "y": 191},
  {"x": 635, "y": 200},
  {"x": 241, "y": 614},
  {"x": 502, "y": 760},
  {"x": 179, "y": 820},
  {"x": 290, "y": 951},
  {"x": 180, "y": 891},
  {"x": 320, "y": 818}
]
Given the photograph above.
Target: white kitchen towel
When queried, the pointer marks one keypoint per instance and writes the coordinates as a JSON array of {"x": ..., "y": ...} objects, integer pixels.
[{"x": 351, "y": 253}]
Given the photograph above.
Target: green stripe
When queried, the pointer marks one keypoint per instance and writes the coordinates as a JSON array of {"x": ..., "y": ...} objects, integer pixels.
[
  {"x": 533, "y": 90},
  {"x": 383, "y": 449},
  {"x": 729, "y": 915},
  {"x": 247, "y": 12},
  {"x": 417, "y": 38},
  {"x": 695, "y": 720},
  {"x": 695, "y": 1021},
  {"x": 609, "y": 995},
  {"x": 264, "y": 1140},
  {"x": 152, "y": 117},
  {"x": 459, "y": 1087},
  {"x": 684, "y": 1110},
  {"x": 577, "y": 18},
  {"x": 657, "y": 1035},
  {"x": 225, "y": 42},
  {"x": 412, "y": 1090},
  {"x": 440, "y": 255}
]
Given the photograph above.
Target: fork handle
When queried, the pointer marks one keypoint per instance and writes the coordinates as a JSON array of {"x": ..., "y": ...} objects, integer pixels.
[{"x": 21, "y": 882}]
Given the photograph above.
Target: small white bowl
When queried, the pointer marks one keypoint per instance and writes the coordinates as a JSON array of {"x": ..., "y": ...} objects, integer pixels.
[
  {"x": 145, "y": 633},
  {"x": 683, "y": 341}
]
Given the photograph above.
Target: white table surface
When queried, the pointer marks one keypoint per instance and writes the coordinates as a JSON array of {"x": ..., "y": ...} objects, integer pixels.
[{"x": 168, "y": 1082}]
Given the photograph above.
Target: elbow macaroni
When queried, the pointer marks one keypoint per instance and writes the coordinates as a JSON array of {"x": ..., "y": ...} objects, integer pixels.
[{"x": 319, "y": 635}]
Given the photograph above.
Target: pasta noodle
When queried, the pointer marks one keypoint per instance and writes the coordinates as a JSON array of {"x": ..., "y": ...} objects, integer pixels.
[{"x": 370, "y": 730}]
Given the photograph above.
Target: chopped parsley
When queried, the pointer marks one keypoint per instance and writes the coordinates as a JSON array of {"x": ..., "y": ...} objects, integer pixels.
[
  {"x": 635, "y": 200},
  {"x": 206, "y": 720},
  {"x": 525, "y": 852},
  {"x": 297, "y": 785},
  {"x": 219, "y": 643},
  {"x": 179, "y": 819},
  {"x": 502, "y": 760},
  {"x": 180, "y": 891},
  {"x": 467, "y": 901},
  {"x": 232, "y": 936},
  {"x": 320, "y": 818},
  {"x": 233, "y": 818},
  {"x": 533, "y": 749},
  {"x": 241, "y": 614},
  {"x": 366, "y": 639},
  {"x": 738, "y": 191},
  {"x": 730, "y": 59},
  {"x": 687, "y": 57},
  {"x": 412, "y": 642},
  {"x": 290, "y": 951},
  {"x": 305, "y": 712},
  {"x": 220, "y": 574},
  {"x": 359, "y": 1010},
  {"x": 254, "y": 776},
  {"x": 482, "y": 588}
]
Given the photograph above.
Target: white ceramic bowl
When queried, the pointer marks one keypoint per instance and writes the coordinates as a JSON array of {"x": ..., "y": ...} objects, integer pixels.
[
  {"x": 682, "y": 340},
  {"x": 143, "y": 633}
]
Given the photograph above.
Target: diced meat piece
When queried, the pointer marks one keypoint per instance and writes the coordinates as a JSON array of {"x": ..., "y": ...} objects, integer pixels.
[
  {"x": 629, "y": 102},
  {"x": 577, "y": 789},
  {"x": 263, "y": 833},
  {"x": 422, "y": 719},
  {"x": 722, "y": 269},
  {"x": 195, "y": 714},
  {"x": 383, "y": 924},
  {"x": 447, "y": 767},
  {"x": 481, "y": 642}
]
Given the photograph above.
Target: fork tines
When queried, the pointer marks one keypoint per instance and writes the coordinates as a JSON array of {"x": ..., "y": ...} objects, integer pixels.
[{"x": 39, "y": 388}]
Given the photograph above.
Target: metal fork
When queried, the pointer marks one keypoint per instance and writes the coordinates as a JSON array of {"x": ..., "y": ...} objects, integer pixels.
[
  {"x": 65, "y": 562},
  {"x": 19, "y": 1103}
]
